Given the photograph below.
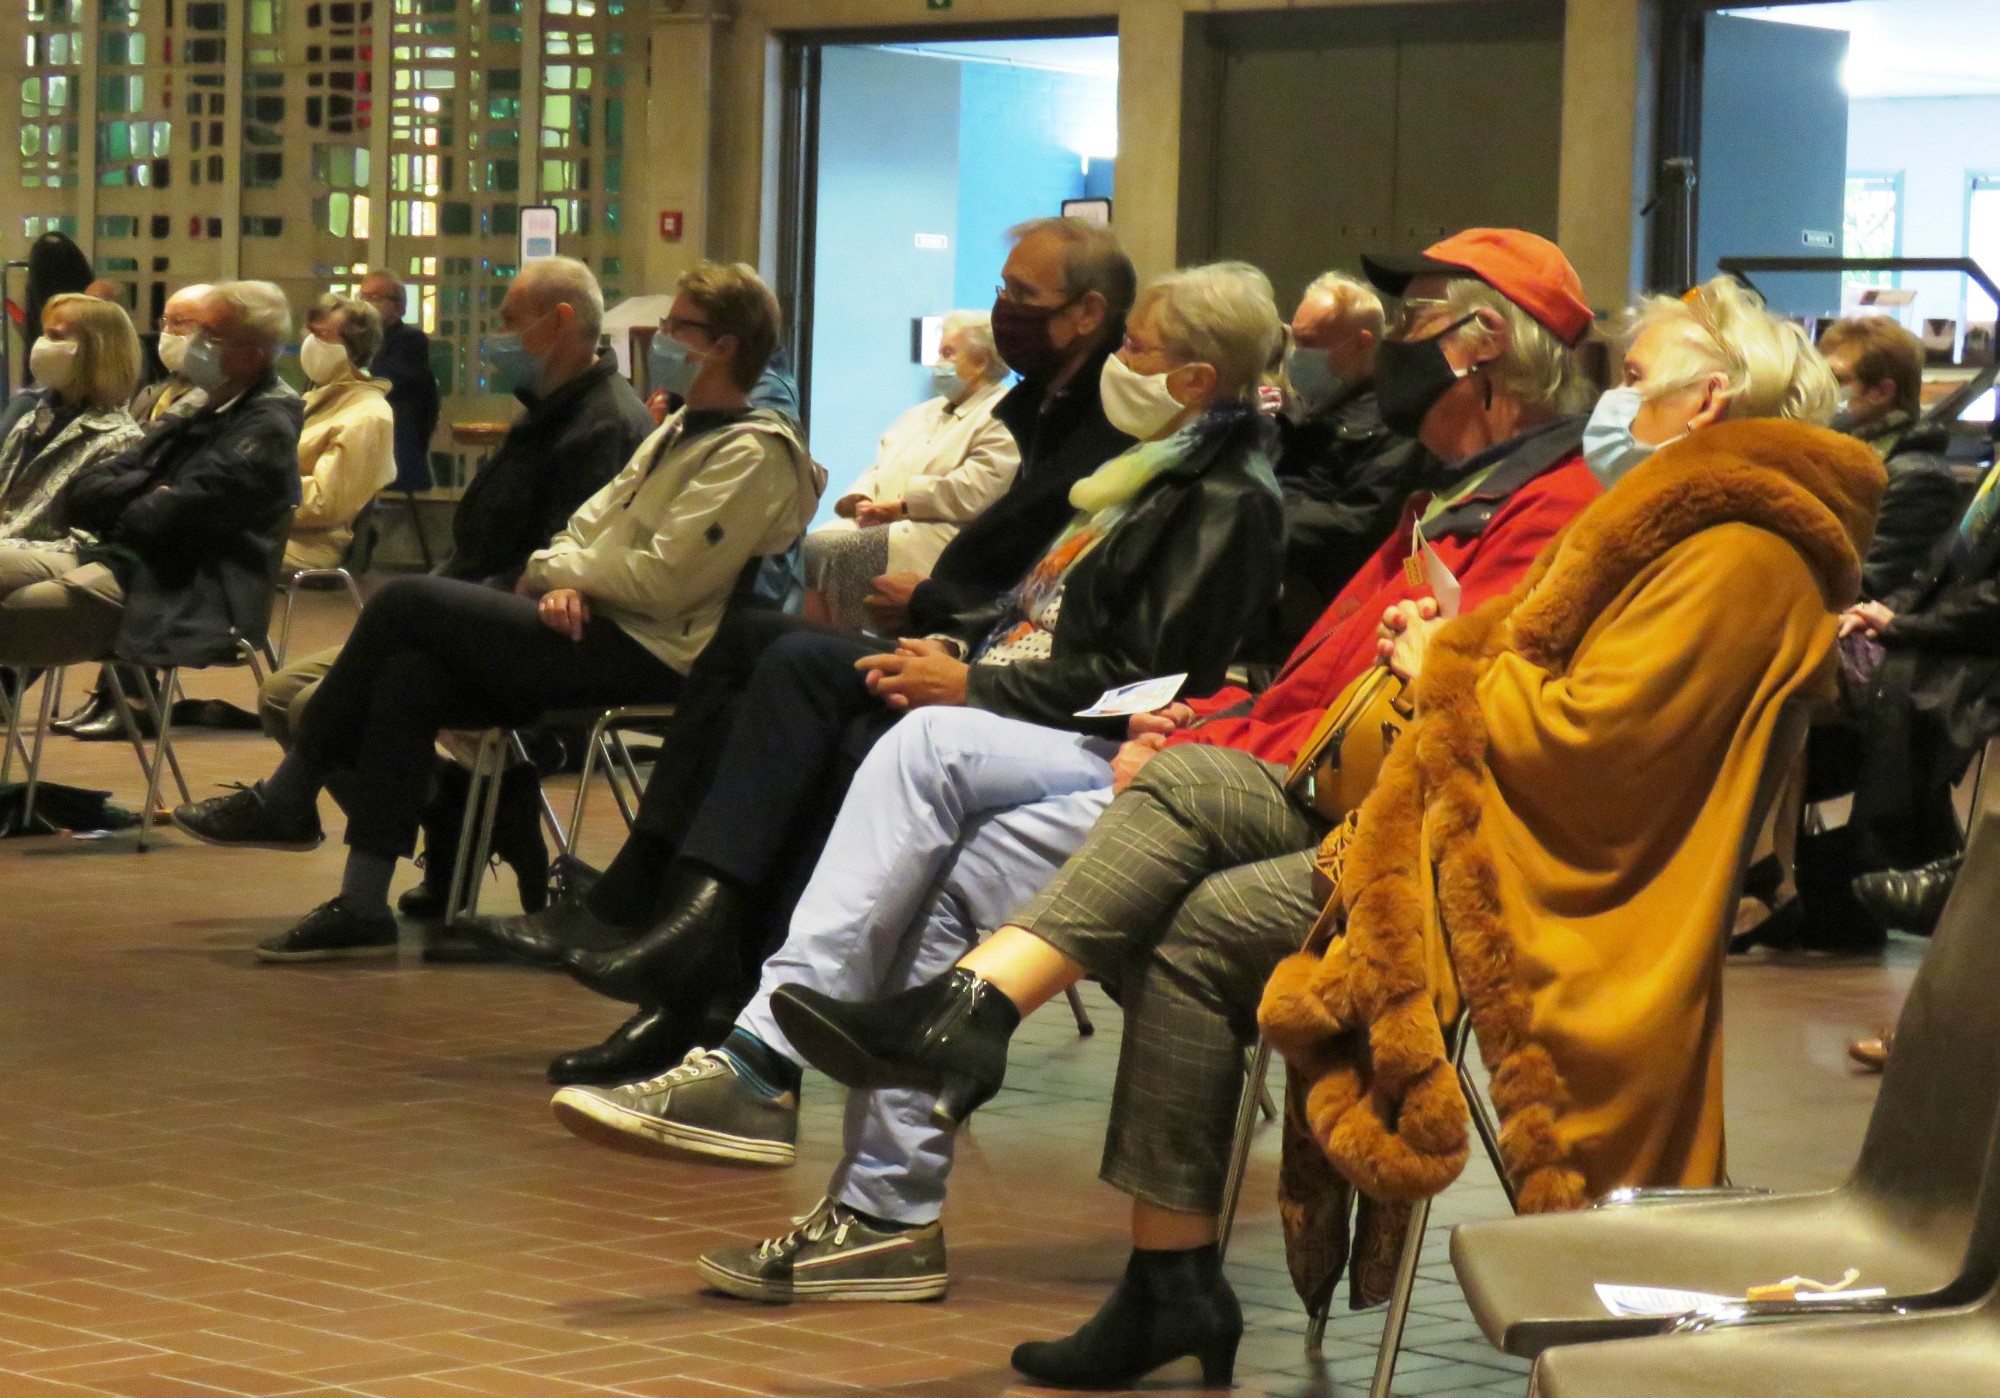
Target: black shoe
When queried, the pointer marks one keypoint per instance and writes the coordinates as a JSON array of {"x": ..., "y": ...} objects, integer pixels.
[
  {"x": 96, "y": 706},
  {"x": 1909, "y": 900},
  {"x": 242, "y": 819},
  {"x": 422, "y": 903},
  {"x": 517, "y": 836},
  {"x": 1780, "y": 930},
  {"x": 948, "y": 1036},
  {"x": 649, "y": 1043},
  {"x": 551, "y": 936},
  {"x": 106, "y": 727},
  {"x": 331, "y": 933},
  {"x": 1169, "y": 1306},
  {"x": 675, "y": 962}
]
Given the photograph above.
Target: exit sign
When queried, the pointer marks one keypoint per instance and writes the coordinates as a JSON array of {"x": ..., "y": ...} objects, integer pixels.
[{"x": 937, "y": 4}]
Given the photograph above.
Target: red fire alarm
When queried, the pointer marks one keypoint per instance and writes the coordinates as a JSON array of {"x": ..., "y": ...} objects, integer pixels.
[{"x": 670, "y": 225}]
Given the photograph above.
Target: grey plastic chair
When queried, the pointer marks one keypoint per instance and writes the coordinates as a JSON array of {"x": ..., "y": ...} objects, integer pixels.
[{"x": 1906, "y": 1218}]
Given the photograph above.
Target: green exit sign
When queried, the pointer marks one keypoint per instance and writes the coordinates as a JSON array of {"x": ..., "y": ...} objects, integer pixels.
[{"x": 937, "y": 4}]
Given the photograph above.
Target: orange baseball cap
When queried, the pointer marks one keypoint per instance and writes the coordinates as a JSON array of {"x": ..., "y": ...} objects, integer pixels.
[{"x": 1528, "y": 270}]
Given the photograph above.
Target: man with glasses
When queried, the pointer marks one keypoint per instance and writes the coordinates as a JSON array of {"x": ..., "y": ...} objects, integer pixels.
[
  {"x": 186, "y": 525},
  {"x": 405, "y": 361}
]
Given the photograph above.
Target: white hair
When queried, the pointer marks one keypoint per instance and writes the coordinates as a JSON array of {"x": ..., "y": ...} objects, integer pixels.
[
  {"x": 1353, "y": 300},
  {"x": 1222, "y": 315},
  {"x": 556, "y": 281},
  {"x": 1769, "y": 367},
  {"x": 975, "y": 328},
  {"x": 262, "y": 309},
  {"x": 1537, "y": 370}
]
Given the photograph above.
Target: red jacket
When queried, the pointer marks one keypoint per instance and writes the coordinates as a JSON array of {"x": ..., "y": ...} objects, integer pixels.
[{"x": 1487, "y": 541}]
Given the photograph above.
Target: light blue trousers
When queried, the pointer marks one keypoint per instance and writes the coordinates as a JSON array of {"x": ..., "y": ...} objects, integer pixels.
[{"x": 956, "y": 818}]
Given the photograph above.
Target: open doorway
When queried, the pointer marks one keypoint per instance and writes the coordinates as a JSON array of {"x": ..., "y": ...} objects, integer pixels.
[
  {"x": 912, "y": 161},
  {"x": 1859, "y": 129}
]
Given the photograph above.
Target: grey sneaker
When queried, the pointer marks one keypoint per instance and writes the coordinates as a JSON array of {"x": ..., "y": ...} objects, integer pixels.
[
  {"x": 831, "y": 1255},
  {"x": 699, "y": 1107}
]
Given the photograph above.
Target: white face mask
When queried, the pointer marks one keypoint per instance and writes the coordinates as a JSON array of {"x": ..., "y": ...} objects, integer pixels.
[
  {"x": 173, "y": 349},
  {"x": 1138, "y": 405},
  {"x": 1609, "y": 448},
  {"x": 323, "y": 360},
  {"x": 53, "y": 363}
]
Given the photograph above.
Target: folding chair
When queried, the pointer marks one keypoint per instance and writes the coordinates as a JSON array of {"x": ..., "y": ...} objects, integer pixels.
[
  {"x": 159, "y": 701},
  {"x": 1920, "y": 1216},
  {"x": 498, "y": 748},
  {"x": 360, "y": 552}
]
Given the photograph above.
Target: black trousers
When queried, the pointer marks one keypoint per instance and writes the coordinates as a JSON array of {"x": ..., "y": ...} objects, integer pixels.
[
  {"x": 434, "y": 653},
  {"x": 1907, "y": 766},
  {"x": 772, "y": 725}
]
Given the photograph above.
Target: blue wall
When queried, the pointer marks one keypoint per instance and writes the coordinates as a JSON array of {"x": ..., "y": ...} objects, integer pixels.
[
  {"x": 888, "y": 145},
  {"x": 915, "y": 144}
]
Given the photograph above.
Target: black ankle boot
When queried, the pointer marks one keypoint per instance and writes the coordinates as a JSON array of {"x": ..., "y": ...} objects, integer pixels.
[
  {"x": 1909, "y": 900},
  {"x": 647, "y": 1044},
  {"x": 683, "y": 956},
  {"x": 1170, "y": 1305},
  {"x": 549, "y": 937},
  {"x": 97, "y": 705},
  {"x": 517, "y": 836},
  {"x": 949, "y": 1036}
]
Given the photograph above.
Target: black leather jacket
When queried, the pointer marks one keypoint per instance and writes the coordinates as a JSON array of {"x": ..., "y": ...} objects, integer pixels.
[
  {"x": 1920, "y": 505},
  {"x": 1174, "y": 587}
]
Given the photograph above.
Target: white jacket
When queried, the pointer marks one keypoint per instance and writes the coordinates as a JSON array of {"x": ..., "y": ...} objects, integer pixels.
[
  {"x": 946, "y": 466},
  {"x": 347, "y": 456},
  {"x": 659, "y": 549}
]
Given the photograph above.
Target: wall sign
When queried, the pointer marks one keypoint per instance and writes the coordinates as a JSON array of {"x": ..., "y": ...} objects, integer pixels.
[
  {"x": 933, "y": 242},
  {"x": 539, "y": 224},
  {"x": 1093, "y": 211},
  {"x": 670, "y": 225},
  {"x": 1815, "y": 238}
]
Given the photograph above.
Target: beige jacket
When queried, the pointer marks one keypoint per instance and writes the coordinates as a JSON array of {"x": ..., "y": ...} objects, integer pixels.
[
  {"x": 946, "y": 465},
  {"x": 659, "y": 549},
  {"x": 347, "y": 455}
]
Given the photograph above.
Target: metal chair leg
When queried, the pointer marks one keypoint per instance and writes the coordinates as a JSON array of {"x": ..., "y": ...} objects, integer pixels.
[
  {"x": 1084, "y": 1027},
  {"x": 1239, "y": 1150},
  {"x": 468, "y": 867},
  {"x": 583, "y": 777},
  {"x": 163, "y": 748},
  {"x": 51, "y": 697},
  {"x": 550, "y": 821},
  {"x": 291, "y": 591}
]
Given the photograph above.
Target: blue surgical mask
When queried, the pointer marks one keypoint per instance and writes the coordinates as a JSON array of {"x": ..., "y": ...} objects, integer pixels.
[
  {"x": 202, "y": 364},
  {"x": 510, "y": 366},
  {"x": 671, "y": 365},
  {"x": 1609, "y": 448},
  {"x": 1313, "y": 382},
  {"x": 945, "y": 380}
]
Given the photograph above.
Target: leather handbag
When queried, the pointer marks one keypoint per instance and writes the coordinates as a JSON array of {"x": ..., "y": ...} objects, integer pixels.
[{"x": 1340, "y": 760}]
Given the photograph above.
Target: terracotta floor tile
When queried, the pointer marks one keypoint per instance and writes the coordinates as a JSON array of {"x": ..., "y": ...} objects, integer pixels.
[{"x": 221, "y": 1177}]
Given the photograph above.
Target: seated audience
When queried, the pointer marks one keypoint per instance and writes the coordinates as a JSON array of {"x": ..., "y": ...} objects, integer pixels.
[
  {"x": 957, "y": 816},
  {"x": 613, "y": 611},
  {"x": 404, "y": 360},
  {"x": 85, "y": 362},
  {"x": 1879, "y": 367},
  {"x": 1659, "y": 638},
  {"x": 347, "y": 447},
  {"x": 158, "y": 402},
  {"x": 939, "y": 465},
  {"x": 184, "y": 524},
  {"x": 1069, "y": 288},
  {"x": 1171, "y": 551},
  {"x": 581, "y": 423},
  {"x": 1345, "y": 475}
]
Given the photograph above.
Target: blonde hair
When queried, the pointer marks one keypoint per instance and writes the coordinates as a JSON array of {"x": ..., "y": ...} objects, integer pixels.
[
  {"x": 976, "y": 328},
  {"x": 1222, "y": 315},
  {"x": 736, "y": 302},
  {"x": 360, "y": 326},
  {"x": 1769, "y": 367},
  {"x": 1352, "y": 299},
  {"x": 107, "y": 356},
  {"x": 1536, "y": 370}
]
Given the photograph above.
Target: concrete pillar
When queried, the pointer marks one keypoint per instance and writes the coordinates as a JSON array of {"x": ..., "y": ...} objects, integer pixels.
[
  {"x": 1145, "y": 207},
  {"x": 1606, "y": 144},
  {"x": 678, "y": 110}
]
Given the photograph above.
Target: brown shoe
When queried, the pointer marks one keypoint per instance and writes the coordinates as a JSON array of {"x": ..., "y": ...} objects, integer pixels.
[{"x": 1873, "y": 1053}]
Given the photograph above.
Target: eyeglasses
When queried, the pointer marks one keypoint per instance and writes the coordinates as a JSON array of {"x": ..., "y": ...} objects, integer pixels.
[
  {"x": 1415, "y": 310},
  {"x": 1026, "y": 295},
  {"x": 673, "y": 325}
]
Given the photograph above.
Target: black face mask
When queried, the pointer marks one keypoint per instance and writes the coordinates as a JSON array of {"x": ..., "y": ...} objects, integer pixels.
[
  {"x": 1021, "y": 336},
  {"x": 1410, "y": 376}
]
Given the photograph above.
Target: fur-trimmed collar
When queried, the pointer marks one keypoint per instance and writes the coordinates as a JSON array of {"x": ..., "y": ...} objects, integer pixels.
[{"x": 1355, "y": 1015}]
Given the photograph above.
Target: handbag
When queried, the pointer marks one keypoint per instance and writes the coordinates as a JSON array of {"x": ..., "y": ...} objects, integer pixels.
[{"x": 1340, "y": 760}]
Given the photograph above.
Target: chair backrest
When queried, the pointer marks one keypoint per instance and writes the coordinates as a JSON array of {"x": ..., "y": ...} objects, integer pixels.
[{"x": 1929, "y": 1151}]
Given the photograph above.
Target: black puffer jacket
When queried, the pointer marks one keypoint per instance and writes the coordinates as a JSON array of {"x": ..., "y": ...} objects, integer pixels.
[
  {"x": 193, "y": 521},
  {"x": 562, "y": 452},
  {"x": 1174, "y": 587},
  {"x": 1063, "y": 437}
]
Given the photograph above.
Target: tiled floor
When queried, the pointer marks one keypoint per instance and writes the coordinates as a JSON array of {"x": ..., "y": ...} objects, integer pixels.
[{"x": 222, "y": 1177}]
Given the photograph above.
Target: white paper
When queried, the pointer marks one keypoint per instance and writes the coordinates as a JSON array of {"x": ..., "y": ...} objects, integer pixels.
[
  {"x": 1660, "y": 1301},
  {"x": 1444, "y": 586},
  {"x": 1139, "y": 698}
]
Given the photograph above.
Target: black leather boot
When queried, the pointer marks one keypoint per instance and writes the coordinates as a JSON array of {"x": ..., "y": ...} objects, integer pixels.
[
  {"x": 1909, "y": 900},
  {"x": 548, "y": 938},
  {"x": 106, "y": 726},
  {"x": 517, "y": 836},
  {"x": 96, "y": 706},
  {"x": 1169, "y": 1306},
  {"x": 646, "y": 1045},
  {"x": 949, "y": 1036},
  {"x": 684, "y": 956}
]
